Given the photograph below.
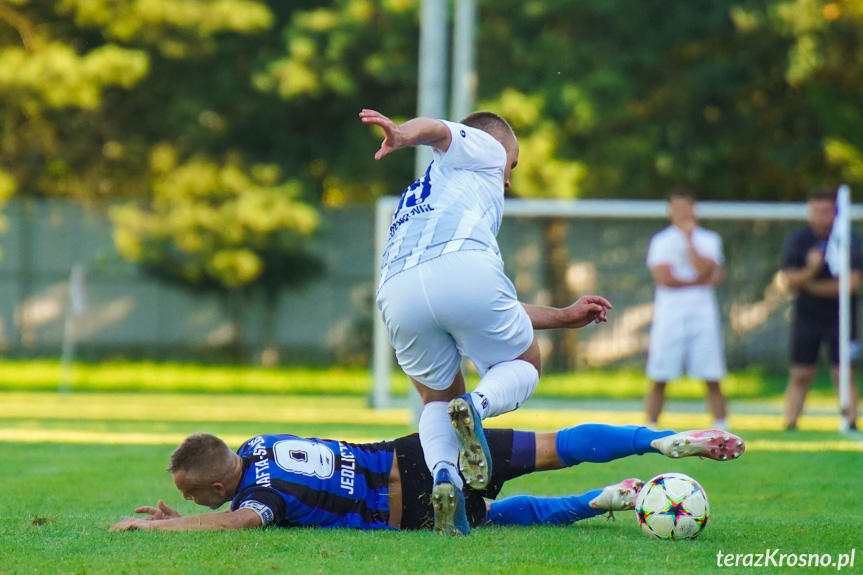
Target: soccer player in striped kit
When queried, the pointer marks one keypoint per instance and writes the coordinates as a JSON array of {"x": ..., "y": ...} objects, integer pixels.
[
  {"x": 443, "y": 295},
  {"x": 290, "y": 481}
]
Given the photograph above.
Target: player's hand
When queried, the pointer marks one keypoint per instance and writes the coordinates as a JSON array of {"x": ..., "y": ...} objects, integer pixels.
[
  {"x": 814, "y": 259},
  {"x": 393, "y": 138},
  {"x": 131, "y": 524},
  {"x": 158, "y": 513},
  {"x": 687, "y": 226},
  {"x": 587, "y": 309}
]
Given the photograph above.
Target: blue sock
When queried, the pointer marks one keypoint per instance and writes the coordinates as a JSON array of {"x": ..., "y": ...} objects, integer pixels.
[
  {"x": 600, "y": 443},
  {"x": 527, "y": 510}
]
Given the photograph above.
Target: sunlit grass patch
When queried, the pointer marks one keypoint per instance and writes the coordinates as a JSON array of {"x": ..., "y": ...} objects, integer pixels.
[{"x": 623, "y": 383}]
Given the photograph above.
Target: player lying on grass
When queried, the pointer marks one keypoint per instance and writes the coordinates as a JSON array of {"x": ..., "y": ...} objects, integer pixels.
[{"x": 289, "y": 481}]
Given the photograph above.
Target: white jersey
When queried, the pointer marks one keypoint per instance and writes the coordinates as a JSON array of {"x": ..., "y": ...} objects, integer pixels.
[
  {"x": 686, "y": 331},
  {"x": 669, "y": 247},
  {"x": 456, "y": 205}
]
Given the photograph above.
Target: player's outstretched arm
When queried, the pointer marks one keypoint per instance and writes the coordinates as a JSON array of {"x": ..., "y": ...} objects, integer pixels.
[
  {"x": 225, "y": 520},
  {"x": 416, "y": 132},
  {"x": 587, "y": 309}
]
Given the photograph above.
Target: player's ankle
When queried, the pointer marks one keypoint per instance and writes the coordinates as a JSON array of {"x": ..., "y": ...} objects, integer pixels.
[
  {"x": 453, "y": 473},
  {"x": 480, "y": 403}
]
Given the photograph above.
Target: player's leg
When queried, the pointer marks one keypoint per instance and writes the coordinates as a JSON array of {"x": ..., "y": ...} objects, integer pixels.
[
  {"x": 589, "y": 443},
  {"x": 595, "y": 443},
  {"x": 805, "y": 343},
  {"x": 436, "y": 435},
  {"x": 665, "y": 357},
  {"x": 529, "y": 510},
  {"x": 490, "y": 326},
  {"x": 800, "y": 379},
  {"x": 430, "y": 357},
  {"x": 705, "y": 358},
  {"x": 601, "y": 443},
  {"x": 654, "y": 402},
  {"x": 440, "y": 449},
  {"x": 717, "y": 404},
  {"x": 508, "y": 384},
  {"x": 503, "y": 388}
]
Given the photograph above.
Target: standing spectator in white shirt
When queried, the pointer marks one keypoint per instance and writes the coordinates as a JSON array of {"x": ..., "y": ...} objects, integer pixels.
[{"x": 685, "y": 261}]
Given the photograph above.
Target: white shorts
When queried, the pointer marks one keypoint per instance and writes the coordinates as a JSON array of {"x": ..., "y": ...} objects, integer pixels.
[
  {"x": 686, "y": 337},
  {"x": 459, "y": 304}
]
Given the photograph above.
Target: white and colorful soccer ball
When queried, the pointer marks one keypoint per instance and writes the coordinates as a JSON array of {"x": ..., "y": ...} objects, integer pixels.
[{"x": 672, "y": 506}]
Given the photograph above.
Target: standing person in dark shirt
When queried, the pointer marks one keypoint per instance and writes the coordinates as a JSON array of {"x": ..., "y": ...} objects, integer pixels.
[{"x": 816, "y": 307}]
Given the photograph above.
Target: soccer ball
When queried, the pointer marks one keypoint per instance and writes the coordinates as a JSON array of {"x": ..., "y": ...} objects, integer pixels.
[{"x": 672, "y": 506}]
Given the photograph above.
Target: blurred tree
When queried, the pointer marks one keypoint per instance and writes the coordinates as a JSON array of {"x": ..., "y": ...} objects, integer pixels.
[
  {"x": 153, "y": 102},
  {"x": 221, "y": 228},
  {"x": 747, "y": 99},
  {"x": 187, "y": 107},
  {"x": 337, "y": 59}
]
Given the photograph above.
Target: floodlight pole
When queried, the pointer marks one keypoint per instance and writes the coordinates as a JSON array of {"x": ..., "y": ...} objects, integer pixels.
[
  {"x": 382, "y": 353},
  {"x": 463, "y": 59},
  {"x": 431, "y": 91}
]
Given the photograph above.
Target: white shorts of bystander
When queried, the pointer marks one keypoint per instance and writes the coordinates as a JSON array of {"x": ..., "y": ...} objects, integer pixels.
[{"x": 687, "y": 337}]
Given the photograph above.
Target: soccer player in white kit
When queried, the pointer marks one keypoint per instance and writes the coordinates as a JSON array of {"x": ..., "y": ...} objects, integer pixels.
[
  {"x": 443, "y": 295},
  {"x": 685, "y": 261}
]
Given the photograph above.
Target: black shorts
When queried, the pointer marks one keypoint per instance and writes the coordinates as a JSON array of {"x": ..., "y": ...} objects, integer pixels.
[
  {"x": 807, "y": 337},
  {"x": 416, "y": 479}
]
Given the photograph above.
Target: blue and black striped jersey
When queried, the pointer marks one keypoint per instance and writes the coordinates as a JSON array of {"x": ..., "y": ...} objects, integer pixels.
[{"x": 292, "y": 481}]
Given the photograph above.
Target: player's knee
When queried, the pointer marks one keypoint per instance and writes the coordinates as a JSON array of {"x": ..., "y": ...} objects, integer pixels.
[
  {"x": 528, "y": 374},
  {"x": 533, "y": 357}
]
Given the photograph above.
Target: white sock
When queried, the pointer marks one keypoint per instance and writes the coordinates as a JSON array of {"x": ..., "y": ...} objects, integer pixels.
[
  {"x": 504, "y": 387},
  {"x": 438, "y": 439}
]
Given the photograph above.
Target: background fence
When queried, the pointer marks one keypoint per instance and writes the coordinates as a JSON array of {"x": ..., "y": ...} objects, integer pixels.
[{"x": 130, "y": 314}]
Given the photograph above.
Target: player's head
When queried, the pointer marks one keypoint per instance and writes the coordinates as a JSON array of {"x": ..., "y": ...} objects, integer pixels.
[
  {"x": 499, "y": 129},
  {"x": 681, "y": 204},
  {"x": 820, "y": 211},
  {"x": 204, "y": 467}
]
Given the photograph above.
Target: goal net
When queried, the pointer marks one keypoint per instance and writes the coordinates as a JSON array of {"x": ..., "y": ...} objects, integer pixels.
[{"x": 555, "y": 250}]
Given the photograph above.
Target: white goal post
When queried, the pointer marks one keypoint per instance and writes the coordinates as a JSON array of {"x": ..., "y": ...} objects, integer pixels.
[{"x": 382, "y": 354}]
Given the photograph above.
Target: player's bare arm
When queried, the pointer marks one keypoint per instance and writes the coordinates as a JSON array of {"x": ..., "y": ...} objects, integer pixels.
[
  {"x": 828, "y": 288},
  {"x": 797, "y": 278},
  {"x": 416, "y": 132},
  {"x": 703, "y": 265},
  {"x": 663, "y": 276},
  {"x": 585, "y": 310},
  {"x": 717, "y": 276},
  {"x": 225, "y": 520}
]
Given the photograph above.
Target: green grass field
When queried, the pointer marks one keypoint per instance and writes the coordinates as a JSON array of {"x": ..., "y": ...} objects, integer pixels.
[
  {"x": 74, "y": 464},
  {"x": 31, "y": 375}
]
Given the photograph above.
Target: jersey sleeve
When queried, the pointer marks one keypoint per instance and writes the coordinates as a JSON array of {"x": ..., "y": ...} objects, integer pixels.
[
  {"x": 657, "y": 253},
  {"x": 714, "y": 251},
  {"x": 471, "y": 149},
  {"x": 269, "y": 505},
  {"x": 792, "y": 258}
]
